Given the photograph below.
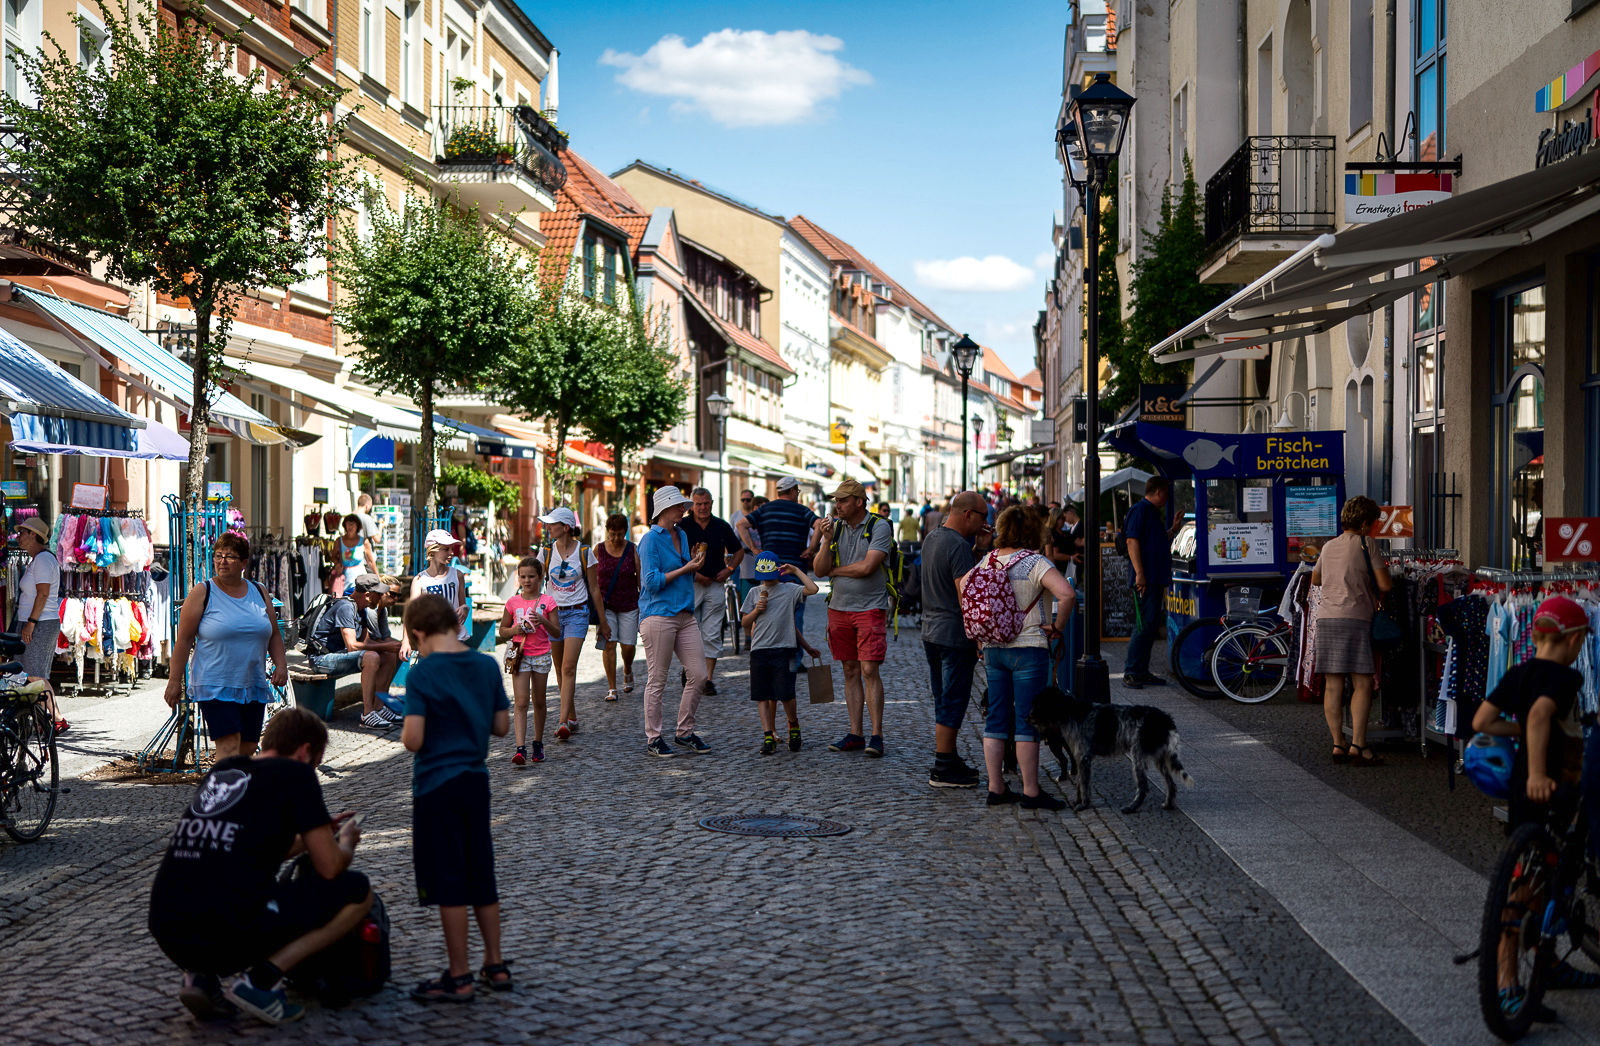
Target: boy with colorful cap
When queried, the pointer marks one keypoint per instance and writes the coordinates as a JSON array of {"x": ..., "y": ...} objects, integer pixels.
[
  {"x": 1540, "y": 695},
  {"x": 768, "y": 610}
]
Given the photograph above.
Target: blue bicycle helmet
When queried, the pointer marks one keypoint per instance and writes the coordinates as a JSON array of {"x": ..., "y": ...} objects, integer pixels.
[{"x": 1487, "y": 762}]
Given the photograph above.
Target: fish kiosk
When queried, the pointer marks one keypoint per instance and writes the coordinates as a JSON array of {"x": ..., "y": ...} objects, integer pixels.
[{"x": 1257, "y": 502}]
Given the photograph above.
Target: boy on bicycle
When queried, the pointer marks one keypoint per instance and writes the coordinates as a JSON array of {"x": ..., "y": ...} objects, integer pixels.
[{"x": 1540, "y": 695}]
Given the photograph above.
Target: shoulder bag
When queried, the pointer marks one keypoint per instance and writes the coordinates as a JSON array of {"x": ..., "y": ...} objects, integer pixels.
[{"x": 1386, "y": 630}]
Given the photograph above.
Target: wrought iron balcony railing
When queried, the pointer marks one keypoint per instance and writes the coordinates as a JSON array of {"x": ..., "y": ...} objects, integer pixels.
[
  {"x": 1274, "y": 184},
  {"x": 496, "y": 139}
]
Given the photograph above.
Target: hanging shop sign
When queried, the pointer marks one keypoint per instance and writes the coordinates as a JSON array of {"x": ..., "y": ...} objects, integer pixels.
[
  {"x": 1080, "y": 420},
  {"x": 1159, "y": 404},
  {"x": 1394, "y": 522},
  {"x": 219, "y": 491},
  {"x": 1570, "y": 539},
  {"x": 14, "y": 489},
  {"x": 1373, "y": 192},
  {"x": 91, "y": 496},
  {"x": 319, "y": 495},
  {"x": 1571, "y": 135}
]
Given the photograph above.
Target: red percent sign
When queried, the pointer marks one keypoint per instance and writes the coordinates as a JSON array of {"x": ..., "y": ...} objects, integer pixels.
[{"x": 1571, "y": 538}]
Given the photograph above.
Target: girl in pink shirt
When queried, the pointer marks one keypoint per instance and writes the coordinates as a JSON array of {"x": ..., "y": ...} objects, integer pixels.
[{"x": 529, "y": 621}]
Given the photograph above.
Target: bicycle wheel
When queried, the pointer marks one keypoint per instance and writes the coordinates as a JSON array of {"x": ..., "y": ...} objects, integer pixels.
[
  {"x": 1513, "y": 951},
  {"x": 1250, "y": 662},
  {"x": 1190, "y": 657},
  {"x": 33, "y": 778},
  {"x": 732, "y": 620}
]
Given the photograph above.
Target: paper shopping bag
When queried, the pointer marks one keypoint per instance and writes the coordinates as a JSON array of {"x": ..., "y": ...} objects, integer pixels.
[{"x": 819, "y": 683}]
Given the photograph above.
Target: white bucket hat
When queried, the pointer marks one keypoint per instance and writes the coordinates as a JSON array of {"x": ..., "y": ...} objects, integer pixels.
[
  {"x": 665, "y": 498},
  {"x": 560, "y": 514}
]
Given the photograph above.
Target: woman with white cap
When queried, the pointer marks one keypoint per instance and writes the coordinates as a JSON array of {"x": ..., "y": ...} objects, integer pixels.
[
  {"x": 569, "y": 578},
  {"x": 441, "y": 577},
  {"x": 666, "y": 622},
  {"x": 39, "y": 602}
]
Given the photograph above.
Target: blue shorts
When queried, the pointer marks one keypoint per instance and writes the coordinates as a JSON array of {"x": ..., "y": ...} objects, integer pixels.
[
  {"x": 338, "y": 663},
  {"x": 574, "y": 621},
  {"x": 1016, "y": 675},
  {"x": 226, "y": 718}
]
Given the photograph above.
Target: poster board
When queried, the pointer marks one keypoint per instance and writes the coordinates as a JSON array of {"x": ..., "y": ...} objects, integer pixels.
[
  {"x": 389, "y": 545},
  {"x": 89, "y": 496},
  {"x": 1311, "y": 511}
]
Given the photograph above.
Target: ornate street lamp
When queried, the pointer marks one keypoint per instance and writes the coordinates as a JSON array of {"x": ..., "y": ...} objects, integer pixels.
[
  {"x": 966, "y": 356},
  {"x": 977, "y": 439},
  {"x": 720, "y": 407},
  {"x": 1087, "y": 143}
]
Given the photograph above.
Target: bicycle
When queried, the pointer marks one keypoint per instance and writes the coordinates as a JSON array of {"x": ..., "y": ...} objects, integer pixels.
[
  {"x": 730, "y": 614},
  {"x": 1250, "y": 660},
  {"x": 1539, "y": 894},
  {"x": 30, "y": 774}
]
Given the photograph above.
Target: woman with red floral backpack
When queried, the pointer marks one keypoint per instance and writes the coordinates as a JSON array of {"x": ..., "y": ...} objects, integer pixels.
[{"x": 1001, "y": 608}]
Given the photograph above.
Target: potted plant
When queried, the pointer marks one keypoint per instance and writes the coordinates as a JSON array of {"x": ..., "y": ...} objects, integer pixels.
[{"x": 471, "y": 142}]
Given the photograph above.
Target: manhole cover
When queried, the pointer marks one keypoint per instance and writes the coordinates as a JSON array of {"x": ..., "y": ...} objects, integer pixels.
[{"x": 780, "y": 826}]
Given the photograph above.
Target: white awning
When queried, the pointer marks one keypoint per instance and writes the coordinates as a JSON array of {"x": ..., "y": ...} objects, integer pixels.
[
  {"x": 1339, "y": 277},
  {"x": 356, "y": 408},
  {"x": 677, "y": 457},
  {"x": 823, "y": 455}
]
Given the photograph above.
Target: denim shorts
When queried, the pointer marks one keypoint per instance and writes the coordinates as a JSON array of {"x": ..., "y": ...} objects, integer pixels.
[
  {"x": 574, "y": 621},
  {"x": 338, "y": 664},
  {"x": 535, "y": 663},
  {"x": 950, "y": 676},
  {"x": 1016, "y": 675}
]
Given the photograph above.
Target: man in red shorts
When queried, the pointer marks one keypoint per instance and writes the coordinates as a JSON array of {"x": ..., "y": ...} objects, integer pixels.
[{"x": 854, "y": 553}]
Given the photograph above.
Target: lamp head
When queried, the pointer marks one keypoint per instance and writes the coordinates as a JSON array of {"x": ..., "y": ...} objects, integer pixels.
[
  {"x": 1069, "y": 150},
  {"x": 844, "y": 426},
  {"x": 1101, "y": 113},
  {"x": 966, "y": 355},
  {"x": 719, "y": 405},
  {"x": 977, "y": 422}
]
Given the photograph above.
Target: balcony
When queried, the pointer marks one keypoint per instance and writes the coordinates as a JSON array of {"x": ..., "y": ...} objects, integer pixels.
[
  {"x": 1266, "y": 202},
  {"x": 499, "y": 156}
]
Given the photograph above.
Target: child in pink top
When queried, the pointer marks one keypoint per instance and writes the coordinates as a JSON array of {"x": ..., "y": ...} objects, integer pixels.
[{"x": 529, "y": 621}]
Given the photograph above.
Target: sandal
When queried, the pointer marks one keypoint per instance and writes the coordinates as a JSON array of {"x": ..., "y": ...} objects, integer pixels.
[
  {"x": 627, "y": 682},
  {"x": 445, "y": 989},
  {"x": 1341, "y": 753},
  {"x": 497, "y": 975},
  {"x": 1366, "y": 758}
]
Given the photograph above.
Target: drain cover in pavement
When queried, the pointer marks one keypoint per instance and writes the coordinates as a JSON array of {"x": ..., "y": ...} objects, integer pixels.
[{"x": 780, "y": 826}]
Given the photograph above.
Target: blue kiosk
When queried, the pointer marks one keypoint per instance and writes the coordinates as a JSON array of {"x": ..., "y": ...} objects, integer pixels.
[{"x": 1256, "y": 499}]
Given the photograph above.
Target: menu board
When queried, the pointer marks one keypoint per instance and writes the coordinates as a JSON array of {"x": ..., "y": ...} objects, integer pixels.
[
  {"x": 1116, "y": 595},
  {"x": 1311, "y": 511},
  {"x": 389, "y": 545}
]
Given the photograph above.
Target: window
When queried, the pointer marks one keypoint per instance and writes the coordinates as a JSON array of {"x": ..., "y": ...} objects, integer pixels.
[
  {"x": 1360, "y": 63},
  {"x": 1264, "y": 84},
  {"x": 611, "y": 275},
  {"x": 21, "y": 33},
  {"x": 371, "y": 38},
  {"x": 92, "y": 45},
  {"x": 1517, "y": 508},
  {"x": 1180, "y": 132},
  {"x": 590, "y": 247},
  {"x": 411, "y": 53},
  {"x": 1428, "y": 21}
]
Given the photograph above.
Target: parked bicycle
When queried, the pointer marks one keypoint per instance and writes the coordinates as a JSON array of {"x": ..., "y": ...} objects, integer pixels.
[
  {"x": 1243, "y": 655},
  {"x": 30, "y": 775},
  {"x": 730, "y": 615}
]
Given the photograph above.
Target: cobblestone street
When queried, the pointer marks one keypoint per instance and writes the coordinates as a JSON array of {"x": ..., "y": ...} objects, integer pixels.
[{"x": 934, "y": 920}]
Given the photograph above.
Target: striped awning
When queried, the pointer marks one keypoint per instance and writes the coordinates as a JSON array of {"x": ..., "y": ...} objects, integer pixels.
[{"x": 54, "y": 413}]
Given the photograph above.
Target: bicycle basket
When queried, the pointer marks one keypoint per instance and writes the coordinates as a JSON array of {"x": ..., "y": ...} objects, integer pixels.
[{"x": 1243, "y": 601}]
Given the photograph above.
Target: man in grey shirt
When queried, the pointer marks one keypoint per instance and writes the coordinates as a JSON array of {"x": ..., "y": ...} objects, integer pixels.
[
  {"x": 946, "y": 556},
  {"x": 854, "y": 553}
]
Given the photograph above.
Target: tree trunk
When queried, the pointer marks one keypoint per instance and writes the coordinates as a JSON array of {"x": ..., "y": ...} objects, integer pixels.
[
  {"x": 194, "y": 473},
  {"x": 426, "y": 450}
]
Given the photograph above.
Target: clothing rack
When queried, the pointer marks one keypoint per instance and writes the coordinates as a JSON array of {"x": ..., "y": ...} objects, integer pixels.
[{"x": 114, "y": 513}]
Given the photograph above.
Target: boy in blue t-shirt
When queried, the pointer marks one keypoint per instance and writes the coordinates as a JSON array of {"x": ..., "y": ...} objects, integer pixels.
[{"x": 454, "y": 701}]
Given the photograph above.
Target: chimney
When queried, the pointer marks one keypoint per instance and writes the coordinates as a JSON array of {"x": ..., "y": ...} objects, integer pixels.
[{"x": 552, "y": 89}]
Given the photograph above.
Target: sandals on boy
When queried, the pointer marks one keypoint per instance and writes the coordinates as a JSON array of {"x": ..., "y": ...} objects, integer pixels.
[
  {"x": 444, "y": 988},
  {"x": 497, "y": 975}
]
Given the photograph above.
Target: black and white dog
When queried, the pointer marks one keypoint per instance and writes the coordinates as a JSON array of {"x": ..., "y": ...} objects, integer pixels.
[{"x": 1078, "y": 730}]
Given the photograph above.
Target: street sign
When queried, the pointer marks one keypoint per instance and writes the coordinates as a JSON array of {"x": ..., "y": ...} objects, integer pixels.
[
  {"x": 835, "y": 436},
  {"x": 1394, "y": 521},
  {"x": 1571, "y": 538}
]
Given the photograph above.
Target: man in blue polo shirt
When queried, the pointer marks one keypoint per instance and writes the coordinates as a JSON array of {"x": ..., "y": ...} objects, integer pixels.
[{"x": 787, "y": 529}]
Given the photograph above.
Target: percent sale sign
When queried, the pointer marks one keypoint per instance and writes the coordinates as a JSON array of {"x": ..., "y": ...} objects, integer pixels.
[
  {"x": 1394, "y": 521},
  {"x": 1571, "y": 538}
]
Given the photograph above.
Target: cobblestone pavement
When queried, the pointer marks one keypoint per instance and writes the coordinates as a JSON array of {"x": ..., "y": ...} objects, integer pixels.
[{"x": 935, "y": 920}]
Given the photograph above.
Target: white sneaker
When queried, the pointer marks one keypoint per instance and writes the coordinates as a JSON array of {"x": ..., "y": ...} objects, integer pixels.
[
  {"x": 388, "y": 715},
  {"x": 376, "y": 720}
]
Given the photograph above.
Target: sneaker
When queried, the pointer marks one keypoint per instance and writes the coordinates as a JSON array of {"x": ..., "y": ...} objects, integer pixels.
[
  {"x": 393, "y": 704},
  {"x": 202, "y": 996},
  {"x": 537, "y": 755},
  {"x": 769, "y": 744},
  {"x": 1149, "y": 680},
  {"x": 693, "y": 743},
  {"x": 611, "y": 695},
  {"x": 572, "y": 726},
  {"x": 1042, "y": 801},
  {"x": 848, "y": 743},
  {"x": 376, "y": 720},
  {"x": 1133, "y": 682},
  {"x": 61, "y": 726},
  {"x": 659, "y": 747},
  {"x": 794, "y": 739},
  {"x": 874, "y": 747},
  {"x": 521, "y": 757},
  {"x": 269, "y": 1005},
  {"x": 709, "y": 689},
  {"x": 563, "y": 732},
  {"x": 953, "y": 775},
  {"x": 389, "y": 714},
  {"x": 1005, "y": 798}
]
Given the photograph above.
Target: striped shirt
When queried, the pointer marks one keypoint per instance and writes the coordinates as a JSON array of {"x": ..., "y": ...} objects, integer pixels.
[{"x": 785, "y": 529}]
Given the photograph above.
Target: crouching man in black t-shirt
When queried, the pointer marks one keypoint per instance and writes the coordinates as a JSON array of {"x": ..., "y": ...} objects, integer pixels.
[{"x": 217, "y": 907}]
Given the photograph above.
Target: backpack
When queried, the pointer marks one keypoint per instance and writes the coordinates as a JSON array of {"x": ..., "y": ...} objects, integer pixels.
[
  {"x": 989, "y": 610},
  {"x": 354, "y": 966},
  {"x": 306, "y": 627}
]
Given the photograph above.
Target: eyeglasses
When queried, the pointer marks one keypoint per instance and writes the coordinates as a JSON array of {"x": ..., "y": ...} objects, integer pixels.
[{"x": 226, "y": 556}]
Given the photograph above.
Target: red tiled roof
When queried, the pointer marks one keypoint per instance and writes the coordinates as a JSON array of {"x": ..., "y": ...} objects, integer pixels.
[
  {"x": 842, "y": 253},
  {"x": 1033, "y": 380},
  {"x": 755, "y": 346},
  {"x": 993, "y": 364},
  {"x": 588, "y": 193},
  {"x": 859, "y": 332},
  {"x": 930, "y": 362}
]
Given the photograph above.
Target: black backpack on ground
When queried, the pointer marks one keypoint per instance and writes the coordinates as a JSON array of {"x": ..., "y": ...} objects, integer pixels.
[
  {"x": 306, "y": 627},
  {"x": 354, "y": 966}
]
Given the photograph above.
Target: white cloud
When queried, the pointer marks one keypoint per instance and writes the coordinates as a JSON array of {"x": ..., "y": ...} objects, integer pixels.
[
  {"x": 994, "y": 273},
  {"x": 1044, "y": 260},
  {"x": 742, "y": 77}
]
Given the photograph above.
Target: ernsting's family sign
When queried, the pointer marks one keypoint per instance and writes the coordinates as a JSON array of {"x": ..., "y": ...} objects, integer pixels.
[{"x": 1570, "y": 136}]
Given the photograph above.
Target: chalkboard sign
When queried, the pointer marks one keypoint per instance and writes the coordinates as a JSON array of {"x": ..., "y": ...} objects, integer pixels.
[{"x": 1117, "y": 596}]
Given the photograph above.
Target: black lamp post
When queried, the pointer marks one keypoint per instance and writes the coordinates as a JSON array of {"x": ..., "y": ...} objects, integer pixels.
[
  {"x": 1087, "y": 143},
  {"x": 966, "y": 355},
  {"x": 977, "y": 439},
  {"x": 842, "y": 426}
]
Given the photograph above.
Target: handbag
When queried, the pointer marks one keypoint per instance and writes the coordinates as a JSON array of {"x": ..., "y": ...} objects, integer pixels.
[
  {"x": 1386, "y": 631},
  {"x": 513, "y": 654}
]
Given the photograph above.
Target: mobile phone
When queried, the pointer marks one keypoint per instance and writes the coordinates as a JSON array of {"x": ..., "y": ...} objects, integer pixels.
[{"x": 355, "y": 819}]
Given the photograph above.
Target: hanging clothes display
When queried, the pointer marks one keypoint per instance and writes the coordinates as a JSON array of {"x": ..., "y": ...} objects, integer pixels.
[{"x": 106, "y": 594}]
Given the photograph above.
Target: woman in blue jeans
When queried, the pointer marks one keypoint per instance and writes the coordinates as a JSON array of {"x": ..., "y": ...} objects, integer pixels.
[{"x": 1018, "y": 670}]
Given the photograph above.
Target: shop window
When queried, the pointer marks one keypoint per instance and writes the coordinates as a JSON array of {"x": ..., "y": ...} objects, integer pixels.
[
  {"x": 1517, "y": 506},
  {"x": 1591, "y": 398},
  {"x": 1428, "y": 65}
]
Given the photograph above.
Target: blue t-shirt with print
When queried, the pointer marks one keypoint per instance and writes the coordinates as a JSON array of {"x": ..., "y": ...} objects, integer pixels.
[{"x": 457, "y": 694}]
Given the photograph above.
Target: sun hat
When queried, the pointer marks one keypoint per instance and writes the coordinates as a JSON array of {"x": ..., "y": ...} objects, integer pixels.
[
  {"x": 439, "y": 538},
  {"x": 1558, "y": 616},
  {"x": 36, "y": 526},
  {"x": 666, "y": 497},
  {"x": 560, "y": 514},
  {"x": 788, "y": 483},
  {"x": 766, "y": 565}
]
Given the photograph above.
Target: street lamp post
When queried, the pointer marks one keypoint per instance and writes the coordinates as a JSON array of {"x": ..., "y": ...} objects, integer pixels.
[
  {"x": 965, "y": 352},
  {"x": 842, "y": 426},
  {"x": 977, "y": 441},
  {"x": 1087, "y": 143},
  {"x": 719, "y": 406}
]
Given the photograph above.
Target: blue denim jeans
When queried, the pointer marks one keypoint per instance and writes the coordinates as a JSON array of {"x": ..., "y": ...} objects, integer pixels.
[
  {"x": 1016, "y": 675},
  {"x": 950, "y": 675},
  {"x": 1150, "y": 607}
]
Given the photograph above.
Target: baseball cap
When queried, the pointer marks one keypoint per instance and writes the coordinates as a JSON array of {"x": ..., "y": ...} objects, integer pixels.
[
  {"x": 435, "y": 537},
  {"x": 368, "y": 583},
  {"x": 560, "y": 514},
  {"x": 1559, "y": 616},
  {"x": 766, "y": 565},
  {"x": 788, "y": 483},
  {"x": 850, "y": 488}
]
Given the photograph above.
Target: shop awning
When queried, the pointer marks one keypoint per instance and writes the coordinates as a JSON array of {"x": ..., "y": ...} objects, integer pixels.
[
  {"x": 529, "y": 432},
  {"x": 491, "y": 442},
  {"x": 52, "y": 412},
  {"x": 395, "y": 424},
  {"x": 681, "y": 458},
  {"x": 1011, "y": 455},
  {"x": 769, "y": 465},
  {"x": 1127, "y": 477},
  {"x": 1338, "y": 277},
  {"x": 169, "y": 376},
  {"x": 822, "y": 455}
]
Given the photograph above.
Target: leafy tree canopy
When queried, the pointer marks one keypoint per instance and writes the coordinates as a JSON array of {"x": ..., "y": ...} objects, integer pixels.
[
  {"x": 474, "y": 486},
  {"x": 639, "y": 394}
]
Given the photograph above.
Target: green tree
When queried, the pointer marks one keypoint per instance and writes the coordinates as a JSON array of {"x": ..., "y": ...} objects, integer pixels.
[
  {"x": 1167, "y": 292},
  {"x": 433, "y": 296},
  {"x": 474, "y": 486},
  {"x": 176, "y": 170},
  {"x": 639, "y": 395},
  {"x": 1112, "y": 334}
]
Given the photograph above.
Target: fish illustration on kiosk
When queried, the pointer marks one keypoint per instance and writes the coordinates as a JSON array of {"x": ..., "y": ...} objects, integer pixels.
[{"x": 1204, "y": 454}]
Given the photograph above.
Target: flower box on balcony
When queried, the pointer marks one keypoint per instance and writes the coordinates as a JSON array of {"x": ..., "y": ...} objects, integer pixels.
[{"x": 477, "y": 143}]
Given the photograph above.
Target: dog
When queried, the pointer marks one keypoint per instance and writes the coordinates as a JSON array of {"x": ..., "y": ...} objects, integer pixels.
[{"x": 1077, "y": 730}]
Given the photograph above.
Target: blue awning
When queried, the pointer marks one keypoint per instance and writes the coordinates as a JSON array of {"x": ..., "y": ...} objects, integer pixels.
[
  {"x": 54, "y": 413},
  {"x": 138, "y": 351},
  {"x": 373, "y": 453},
  {"x": 486, "y": 441}
]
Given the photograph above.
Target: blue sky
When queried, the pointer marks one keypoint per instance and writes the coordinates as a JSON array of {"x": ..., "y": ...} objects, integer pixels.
[{"x": 919, "y": 131}]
